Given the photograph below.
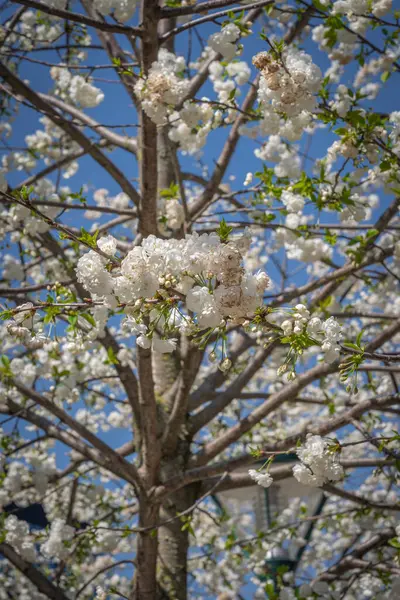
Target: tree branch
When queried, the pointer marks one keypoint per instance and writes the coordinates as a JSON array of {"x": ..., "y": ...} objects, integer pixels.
[
  {"x": 119, "y": 464},
  {"x": 114, "y": 138},
  {"x": 167, "y": 12},
  {"x": 213, "y": 16},
  {"x": 20, "y": 87},
  {"x": 43, "y": 585},
  {"x": 221, "y": 401},
  {"x": 79, "y": 18}
]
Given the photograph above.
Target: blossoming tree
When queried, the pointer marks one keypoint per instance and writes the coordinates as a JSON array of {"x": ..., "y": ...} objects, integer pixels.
[{"x": 170, "y": 339}]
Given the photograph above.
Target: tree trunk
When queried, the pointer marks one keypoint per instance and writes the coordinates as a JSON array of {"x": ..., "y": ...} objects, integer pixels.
[
  {"x": 145, "y": 581},
  {"x": 173, "y": 546},
  {"x": 173, "y": 542}
]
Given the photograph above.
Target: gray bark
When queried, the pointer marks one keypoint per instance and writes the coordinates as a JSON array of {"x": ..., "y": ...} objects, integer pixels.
[{"x": 173, "y": 542}]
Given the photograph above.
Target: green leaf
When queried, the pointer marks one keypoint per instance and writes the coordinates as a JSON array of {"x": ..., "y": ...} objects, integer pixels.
[
  {"x": 51, "y": 313},
  {"x": 6, "y": 314},
  {"x": 87, "y": 238},
  {"x": 359, "y": 337},
  {"x": 351, "y": 345},
  {"x": 267, "y": 218},
  {"x": 79, "y": 196},
  {"x": 223, "y": 231},
  {"x": 341, "y": 131},
  {"x": 25, "y": 192},
  {"x": 385, "y": 165},
  {"x": 89, "y": 319},
  {"x": 171, "y": 192},
  {"x": 112, "y": 359},
  {"x": 5, "y": 360},
  {"x": 325, "y": 303}
]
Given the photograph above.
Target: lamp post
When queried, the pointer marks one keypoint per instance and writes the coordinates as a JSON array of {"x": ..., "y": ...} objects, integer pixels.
[{"x": 266, "y": 505}]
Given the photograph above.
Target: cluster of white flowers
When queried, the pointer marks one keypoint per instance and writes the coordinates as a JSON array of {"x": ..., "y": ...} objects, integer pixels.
[
  {"x": 17, "y": 214},
  {"x": 122, "y": 10},
  {"x": 13, "y": 481},
  {"x": 276, "y": 151},
  {"x": 12, "y": 268},
  {"x": 394, "y": 118},
  {"x": 43, "y": 467},
  {"x": 379, "y": 8},
  {"x": 76, "y": 88},
  {"x": 341, "y": 53},
  {"x": 350, "y": 148},
  {"x": 174, "y": 214},
  {"x": 288, "y": 83},
  {"x": 319, "y": 588},
  {"x": 106, "y": 539},
  {"x": 100, "y": 593},
  {"x": 223, "y": 41},
  {"x": 294, "y": 203},
  {"x": 226, "y": 78},
  {"x": 163, "y": 88},
  {"x": 287, "y": 159},
  {"x": 262, "y": 479},
  {"x": 319, "y": 463},
  {"x": 54, "y": 547},
  {"x": 18, "y": 536},
  {"x": 21, "y": 327},
  {"x": 51, "y": 144},
  {"x": 35, "y": 30},
  {"x": 309, "y": 250},
  {"x": 343, "y": 100},
  {"x": 191, "y": 125},
  {"x": 208, "y": 272},
  {"x": 102, "y": 197},
  {"x": 327, "y": 332}
]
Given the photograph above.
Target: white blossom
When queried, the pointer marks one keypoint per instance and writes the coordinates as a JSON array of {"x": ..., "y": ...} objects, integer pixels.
[{"x": 262, "y": 479}]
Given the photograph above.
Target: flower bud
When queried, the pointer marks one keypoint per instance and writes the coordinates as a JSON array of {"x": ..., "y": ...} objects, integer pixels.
[
  {"x": 212, "y": 357},
  {"x": 225, "y": 365}
]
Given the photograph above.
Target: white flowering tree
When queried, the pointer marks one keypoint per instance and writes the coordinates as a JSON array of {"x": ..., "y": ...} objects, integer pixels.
[{"x": 173, "y": 337}]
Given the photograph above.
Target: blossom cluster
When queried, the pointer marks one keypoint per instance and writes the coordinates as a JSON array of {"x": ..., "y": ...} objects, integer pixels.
[
  {"x": 122, "y": 10},
  {"x": 206, "y": 271},
  {"x": 319, "y": 463},
  {"x": 54, "y": 547},
  {"x": 327, "y": 333},
  {"x": 191, "y": 125},
  {"x": 17, "y": 535},
  {"x": 76, "y": 88},
  {"x": 223, "y": 41},
  {"x": 262, "y": 479},
  {"x": 102, "y": 198},
  {"x": 174, "y": 214},
  {"x": 287, "y": 87},
  {"x": 163, "y": 87},
  {"x": 49, "y": 143},
  {"x": 362, "y": 7},
  {"x": 33, "y": 30}
]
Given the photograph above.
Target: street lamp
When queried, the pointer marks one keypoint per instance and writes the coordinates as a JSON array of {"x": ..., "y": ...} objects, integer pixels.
[{"x": 266, "y": 504}]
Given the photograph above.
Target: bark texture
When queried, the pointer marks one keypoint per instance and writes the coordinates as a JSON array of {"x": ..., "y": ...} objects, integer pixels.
[{"x": 173, "y": 541}]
